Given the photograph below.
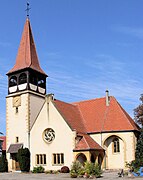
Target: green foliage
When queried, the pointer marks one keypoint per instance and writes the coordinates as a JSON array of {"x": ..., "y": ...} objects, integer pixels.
[
  {"x": 139, "y": 149},
  {"x": 39, "y": 169},
  {"x": 24, "y": 159},
  {"x": 138, "y": 112},
  {"x": 138, "y": 162},
  {"x": 89, "y": 169},
  {"x": 3, "y": 164},
  {"x": 92, "y": 169},
  {"x": 52, "y": 171},
  {"x": 133, "y": 166},
  {"x": 75, "y": 169}
]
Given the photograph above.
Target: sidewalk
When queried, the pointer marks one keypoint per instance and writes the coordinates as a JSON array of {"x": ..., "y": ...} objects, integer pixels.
[{"x": 30, "y": 176}]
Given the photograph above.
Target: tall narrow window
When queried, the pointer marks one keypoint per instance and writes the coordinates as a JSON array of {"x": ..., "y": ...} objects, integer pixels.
[
  {"x": 116, "y": 145},
  {"x": 17, "y": 139},
  {"x": 41, "y": 159},
  {"x": 16, "y": 110},
  {"x": 54, "y": 158},
  {"x": 62, "y": 158},
  {"x": 58, "y": 159}
]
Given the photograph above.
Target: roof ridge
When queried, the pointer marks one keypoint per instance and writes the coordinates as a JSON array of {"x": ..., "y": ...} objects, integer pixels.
[
  {"x": 81, "y": 115},
  {"x": 66, "y": 102},
  {"x": 90, "y": 100},
  {"x": 86, "y": 142},
  {"x": 125, "y": 114}
]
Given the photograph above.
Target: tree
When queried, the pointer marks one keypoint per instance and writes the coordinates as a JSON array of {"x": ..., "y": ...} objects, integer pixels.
[
  {"x": 24, "y": 159},
  {"x": 3, "y": 164},
  {"x": 138, "y": 112},
  {"x": 139, "y": 150}
]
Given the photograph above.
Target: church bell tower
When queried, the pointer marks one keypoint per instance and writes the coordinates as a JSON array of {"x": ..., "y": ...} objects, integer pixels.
[
  {"x": 27, "y": 73},
  {"x": 26, "y": 95}
]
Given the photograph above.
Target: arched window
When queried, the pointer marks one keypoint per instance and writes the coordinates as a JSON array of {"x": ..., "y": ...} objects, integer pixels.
[
  {"x": 13, "y": 81},
  {"x": 41, "y": 83},
  {"x": 81, "y": 158},
  {"x": 22, "y": 78},
  {"x": 116, "y": 145},
  {"x": 33, "y": 79}
]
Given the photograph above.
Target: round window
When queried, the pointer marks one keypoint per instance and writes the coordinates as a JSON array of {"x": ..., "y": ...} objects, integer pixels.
[{"x": 49, "y": 135}]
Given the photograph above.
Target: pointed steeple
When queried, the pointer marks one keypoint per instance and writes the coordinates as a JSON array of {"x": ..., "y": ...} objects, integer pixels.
[{"x": 27, "y": 55}]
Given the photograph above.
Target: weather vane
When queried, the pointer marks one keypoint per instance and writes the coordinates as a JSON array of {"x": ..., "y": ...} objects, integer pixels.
[{"x": 27, "y": 9}]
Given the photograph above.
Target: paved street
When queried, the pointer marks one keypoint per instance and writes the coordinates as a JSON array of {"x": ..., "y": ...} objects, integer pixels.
[{"x": 24, "y": 176}]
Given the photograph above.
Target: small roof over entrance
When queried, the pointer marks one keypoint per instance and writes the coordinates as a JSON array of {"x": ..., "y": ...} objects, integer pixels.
[{"x": 13, "y": 148}]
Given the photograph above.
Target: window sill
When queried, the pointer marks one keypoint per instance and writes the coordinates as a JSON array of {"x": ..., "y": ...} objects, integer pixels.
[{"x": 57, "y": 164}]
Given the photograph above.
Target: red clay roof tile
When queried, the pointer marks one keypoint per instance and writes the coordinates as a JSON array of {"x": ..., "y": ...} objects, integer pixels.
[
  {"x": 93, "y": 116},
  {"x": 27, "y": 55},
  {"x": 101, "y": 118},
  {"x": 87, "y": 143},
  {"x": 71, "y": 114}
]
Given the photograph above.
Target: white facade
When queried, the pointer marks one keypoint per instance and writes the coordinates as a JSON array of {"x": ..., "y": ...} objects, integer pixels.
[{"x": 49, "y": 117}]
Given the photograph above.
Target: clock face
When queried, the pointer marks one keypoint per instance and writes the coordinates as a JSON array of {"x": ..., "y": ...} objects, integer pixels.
[{"x": 16, "y": 101}]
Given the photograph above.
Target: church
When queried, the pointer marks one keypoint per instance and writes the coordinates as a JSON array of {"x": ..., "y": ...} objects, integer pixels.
[{"x": 58, "y": 133}]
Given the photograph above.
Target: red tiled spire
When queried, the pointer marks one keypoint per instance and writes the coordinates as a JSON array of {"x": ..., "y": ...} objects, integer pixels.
[{"x": 27, "y": 55}]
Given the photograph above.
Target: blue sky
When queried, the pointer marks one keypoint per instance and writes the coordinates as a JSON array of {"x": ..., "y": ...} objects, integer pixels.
[{"x": 85, "y": 46}]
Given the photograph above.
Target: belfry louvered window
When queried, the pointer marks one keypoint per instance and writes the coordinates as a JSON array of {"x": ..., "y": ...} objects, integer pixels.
[{"x": 22, "y": 78}]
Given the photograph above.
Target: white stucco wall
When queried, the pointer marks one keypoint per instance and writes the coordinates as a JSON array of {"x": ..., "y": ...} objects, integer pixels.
[
  {"x": 49, "y": 117},
  {"x": 36, "y": 103},
  {"x": 18, "y": 124},
  {"x": 127, "y": 148}
]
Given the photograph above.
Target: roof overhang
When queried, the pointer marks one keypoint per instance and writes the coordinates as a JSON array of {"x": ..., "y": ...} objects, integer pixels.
[
  {"x": 112, "y": 131},
  {"x": 80, "y": 150},
  {"x": 13, "y": 148}
]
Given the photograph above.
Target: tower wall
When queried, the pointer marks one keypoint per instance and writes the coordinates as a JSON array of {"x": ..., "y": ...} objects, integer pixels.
[{"x": 19, "y": 119}]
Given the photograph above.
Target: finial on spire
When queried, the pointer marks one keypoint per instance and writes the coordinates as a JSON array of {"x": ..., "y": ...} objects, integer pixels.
[{"x": 27, "y": 9}]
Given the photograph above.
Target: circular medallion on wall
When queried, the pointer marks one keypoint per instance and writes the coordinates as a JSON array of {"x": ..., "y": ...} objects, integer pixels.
[{"x": 49, "y": 135}]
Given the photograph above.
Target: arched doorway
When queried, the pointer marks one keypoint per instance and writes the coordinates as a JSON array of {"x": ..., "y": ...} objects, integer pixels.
[
  {"x": 100, "y": 159},
  {"x": 81, "y": 158},
  {"x": 92, "y": 158},
  {"x": 115, "y": 153}
]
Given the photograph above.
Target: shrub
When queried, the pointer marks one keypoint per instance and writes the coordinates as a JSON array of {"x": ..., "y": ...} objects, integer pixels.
[
  {"x": 52, "y": 171},
  {"x": 88, "y": 170},
  {"x": 39, "y": 169},
  {"x": 65, "y": 169},
  {"x": 92, "y": 169},
  {"x": 3, "y": 164},
  {"x": 24, "y": 159},
  {"x": 133, "y": 166},
  {"x": 75, "y": 169}
]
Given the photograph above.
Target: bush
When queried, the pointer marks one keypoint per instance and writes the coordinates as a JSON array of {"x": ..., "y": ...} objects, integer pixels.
[
  {"x": 88, "y": 170},
  {"x": 75, "y": 169},
  {"x": 39, "y": 169},
  {"x": 3, "y": 164},
  {"x": 24, "y": 159},
  {"x": 52, "y": 171},
  {"x": 133, "y": 166},
  {"x": 65, "y": 169},
  {"x": 92, "y": 169}
]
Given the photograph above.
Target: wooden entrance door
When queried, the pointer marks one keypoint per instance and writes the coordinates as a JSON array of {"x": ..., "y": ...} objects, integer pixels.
[{"x": 15, "y": 163}]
